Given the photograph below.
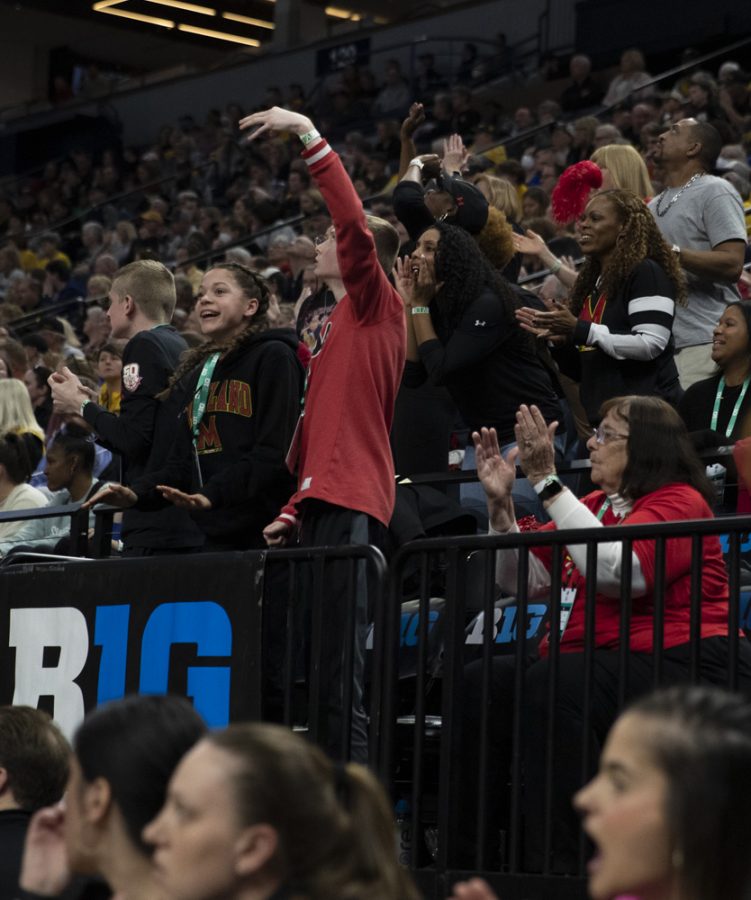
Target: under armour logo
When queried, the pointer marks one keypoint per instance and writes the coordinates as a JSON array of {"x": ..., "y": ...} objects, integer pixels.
[{"x": 478, "y": 323}]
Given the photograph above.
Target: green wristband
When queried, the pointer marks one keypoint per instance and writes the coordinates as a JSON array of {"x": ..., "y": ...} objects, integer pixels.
[
  {"x": 420, "y": 311},
  {"x": 310, "y": 136}
]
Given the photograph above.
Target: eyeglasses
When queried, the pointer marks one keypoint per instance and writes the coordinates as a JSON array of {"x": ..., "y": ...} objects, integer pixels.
[{"x": 606, "y": 436}]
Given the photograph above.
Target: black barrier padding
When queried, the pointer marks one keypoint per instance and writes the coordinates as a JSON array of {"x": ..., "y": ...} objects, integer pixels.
[{"x": 121, "y": 602}]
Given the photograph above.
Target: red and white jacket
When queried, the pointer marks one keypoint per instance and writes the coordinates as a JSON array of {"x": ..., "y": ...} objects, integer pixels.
[{"x": 341, "y": 449}]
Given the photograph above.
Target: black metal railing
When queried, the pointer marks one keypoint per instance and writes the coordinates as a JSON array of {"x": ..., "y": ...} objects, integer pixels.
[
  {"x": 433, "y": 739},
  {"x": 475, "y": 770},
  {"x": 79, "y": 530}
]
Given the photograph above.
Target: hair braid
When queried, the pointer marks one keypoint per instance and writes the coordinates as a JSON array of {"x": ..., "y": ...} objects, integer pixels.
[{"x": 255, "y": 287}]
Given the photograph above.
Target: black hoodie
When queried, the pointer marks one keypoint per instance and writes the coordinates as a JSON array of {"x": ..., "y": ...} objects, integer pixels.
[{"x": 252, "y": 409}]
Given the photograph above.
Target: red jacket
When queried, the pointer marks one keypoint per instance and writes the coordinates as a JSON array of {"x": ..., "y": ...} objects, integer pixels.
[
  {"x": 671, "y": 503},
  {"x": 342, "y": 446}
]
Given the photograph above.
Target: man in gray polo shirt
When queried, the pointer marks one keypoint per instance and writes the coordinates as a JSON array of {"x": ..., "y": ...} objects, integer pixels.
[{"x": 701, "y": 216}]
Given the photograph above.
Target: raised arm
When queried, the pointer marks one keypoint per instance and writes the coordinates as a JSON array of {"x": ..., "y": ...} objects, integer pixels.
[
  {"x": 531, "y": 244},
  {"x": 408, "y": 151},
  {"x": 366, "y": 283},
  {"x": 536, "y": 456}
]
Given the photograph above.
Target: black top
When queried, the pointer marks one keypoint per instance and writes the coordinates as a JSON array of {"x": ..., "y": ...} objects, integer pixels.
[
  {"x": 13, "y": 825},
  {"x": 696, "y": 407},
  {"x": 409, "y": 207},
  {"x": 143, "y": 434},
  {"x": 489, "y": 366},
  {"x": 252, "y": 409},
  {"x": 603, "y": 376},
  {"x": 582, "y": 95}
]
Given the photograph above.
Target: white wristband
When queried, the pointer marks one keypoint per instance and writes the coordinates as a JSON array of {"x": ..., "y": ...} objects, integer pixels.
[
  {"x": 417, "y": 162},
  {"x": 310, "y": 136}
]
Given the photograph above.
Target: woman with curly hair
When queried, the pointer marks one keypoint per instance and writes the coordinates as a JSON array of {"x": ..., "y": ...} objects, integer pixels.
[
  {"x": 462, "y": 333},
  {"x": 620, "y": 315},
  {"x": 240, "y": 394}
]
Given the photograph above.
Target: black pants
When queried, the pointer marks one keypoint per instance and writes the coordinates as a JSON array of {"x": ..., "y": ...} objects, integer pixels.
[
  {"x": 569, "y": 734},
  {"x": 326, "y": 525}
]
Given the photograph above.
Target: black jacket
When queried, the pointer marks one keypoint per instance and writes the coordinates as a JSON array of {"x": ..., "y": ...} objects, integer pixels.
[
  {"x": 489, "y": 366},
  {"x": 143, "y": 433},
  {"x": 238, "y": 461}
]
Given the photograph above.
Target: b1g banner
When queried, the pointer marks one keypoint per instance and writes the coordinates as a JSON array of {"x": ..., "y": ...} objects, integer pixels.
[{"x": 78, "y": 634}]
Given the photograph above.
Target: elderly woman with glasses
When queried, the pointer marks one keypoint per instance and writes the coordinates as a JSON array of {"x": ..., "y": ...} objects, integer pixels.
[{"x": 647, "y": 471}]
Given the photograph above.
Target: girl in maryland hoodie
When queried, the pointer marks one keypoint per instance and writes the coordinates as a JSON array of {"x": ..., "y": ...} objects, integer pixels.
[{"x": 238, "y": 399}]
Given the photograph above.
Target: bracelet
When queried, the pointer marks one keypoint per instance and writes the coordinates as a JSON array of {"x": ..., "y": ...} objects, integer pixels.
[
  {"x": 80, "y": 411},
  {"x": 420, "y": 311},
  {"x": 677, "y": 250},
  {"x": 310, "y": 136},
  {"x": 555, "y": 268},
  {"x": 417, "y": 162}
]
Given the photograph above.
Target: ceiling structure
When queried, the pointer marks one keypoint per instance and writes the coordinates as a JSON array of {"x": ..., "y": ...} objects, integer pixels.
[{"x": 213, "y": 23}]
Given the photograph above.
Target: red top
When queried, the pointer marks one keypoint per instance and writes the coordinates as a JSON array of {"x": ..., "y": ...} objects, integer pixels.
[
  {"x": 343, "y": 455},
  {"x": 672, "y": 503}
]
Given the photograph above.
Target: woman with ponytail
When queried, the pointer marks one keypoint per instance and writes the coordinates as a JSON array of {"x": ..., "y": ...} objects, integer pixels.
[
  {"x": 240, "y": 394},
  {"x": 256, "y": 811},
  {"x": 16, "y": 466}
]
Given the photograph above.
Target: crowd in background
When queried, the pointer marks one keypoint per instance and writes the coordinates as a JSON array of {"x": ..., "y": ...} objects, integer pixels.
[
  {"x": 200, "y": 188},
  {"x": 473, "y": 194}
]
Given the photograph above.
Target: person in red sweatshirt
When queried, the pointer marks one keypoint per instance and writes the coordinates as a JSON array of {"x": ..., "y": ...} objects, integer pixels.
[{"x": 341, "y": 452}]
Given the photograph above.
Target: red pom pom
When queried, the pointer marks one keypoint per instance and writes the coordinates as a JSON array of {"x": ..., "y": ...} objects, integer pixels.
[
  {"x": 529, "y": 523},
  {"x": 574, "y": 186}
]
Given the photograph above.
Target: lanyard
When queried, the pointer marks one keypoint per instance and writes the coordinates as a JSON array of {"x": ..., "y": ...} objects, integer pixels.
[
  {"x": 201, "y": 395},
  {"x": 568, "y": 591},
  {"x": 736, "y": 408},
  {"x": 568, "y": 563}
]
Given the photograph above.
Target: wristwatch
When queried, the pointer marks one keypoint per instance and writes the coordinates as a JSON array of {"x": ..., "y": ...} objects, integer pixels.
[
  {"x": 549, "y": 487},
  {"x": 417, "y": 162}
]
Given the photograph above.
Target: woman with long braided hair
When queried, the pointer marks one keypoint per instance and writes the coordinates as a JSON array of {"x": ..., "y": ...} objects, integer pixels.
[
  {"x": 619, "y": 318},
  {"x": 238, "y": 395},
  {"x": 462, "y": 333}
]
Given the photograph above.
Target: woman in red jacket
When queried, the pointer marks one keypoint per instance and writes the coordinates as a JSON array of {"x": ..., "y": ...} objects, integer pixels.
[{"x": 647, "y": 471}]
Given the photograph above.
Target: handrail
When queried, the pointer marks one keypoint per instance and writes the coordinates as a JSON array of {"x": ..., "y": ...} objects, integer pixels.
[
  {"x": 618, "y": 533},
  {"x": 42, "y": 512},
  {"x": 600, "y": 111},
  {"x": 233, "y": 63},
  {"x": 79, "y": 523},
  {"x": 571, "y": 467}
]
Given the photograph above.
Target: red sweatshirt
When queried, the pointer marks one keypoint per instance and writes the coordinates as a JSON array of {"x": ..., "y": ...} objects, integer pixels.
[{"x": 342, "y": 447}]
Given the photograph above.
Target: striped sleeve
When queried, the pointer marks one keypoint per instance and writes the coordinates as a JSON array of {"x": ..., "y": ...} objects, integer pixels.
[
  {"x": 316, "y": 151},
  {"x": 651, "y": 311}
]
